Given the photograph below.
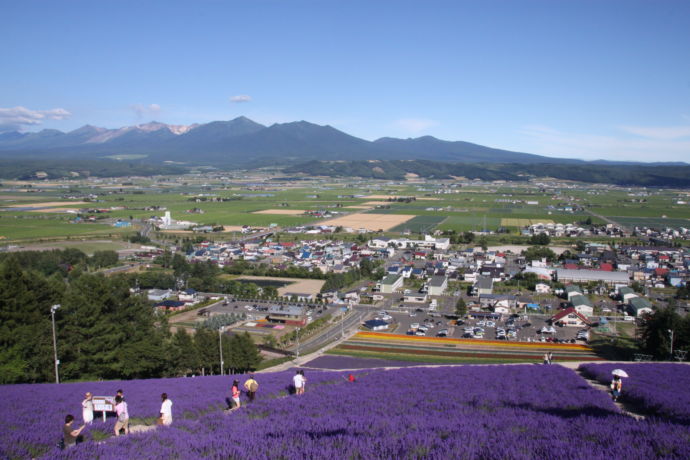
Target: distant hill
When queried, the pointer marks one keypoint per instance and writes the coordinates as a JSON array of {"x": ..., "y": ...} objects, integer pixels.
[{"x": 243, "y": 142}]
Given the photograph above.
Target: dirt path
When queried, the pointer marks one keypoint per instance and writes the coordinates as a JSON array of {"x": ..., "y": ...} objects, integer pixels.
[
  {"x": 625, "y": 407},
  {"x": 141, "y": 428}
]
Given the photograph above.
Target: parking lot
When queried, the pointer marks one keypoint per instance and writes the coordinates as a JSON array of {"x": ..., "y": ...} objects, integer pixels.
[
  {"x": 525, "y": 328},
  {"x": 258, "y": 309}
]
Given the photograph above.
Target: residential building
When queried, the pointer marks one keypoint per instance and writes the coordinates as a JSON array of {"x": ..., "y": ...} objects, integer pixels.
[
  {"x": 437, "y": 285},
  {"x": 390, "y": 284},
  {"x": 570, "y": 317}
]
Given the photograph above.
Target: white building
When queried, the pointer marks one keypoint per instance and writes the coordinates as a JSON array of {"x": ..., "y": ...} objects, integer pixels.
[{"x": 390, "y": 284}]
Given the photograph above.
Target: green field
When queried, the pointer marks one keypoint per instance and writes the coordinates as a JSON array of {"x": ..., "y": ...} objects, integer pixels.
[
  {"x": 651, "y": 222},
  {"x": 37, "y": 228},
  {"x": 420, "y": 224}
]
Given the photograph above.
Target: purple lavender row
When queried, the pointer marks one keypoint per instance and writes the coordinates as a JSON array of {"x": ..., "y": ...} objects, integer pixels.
[
  {"x": 33, "y": 414},
  {"x": 661, "y": 389},
  {"x": 512, "y": 412}
]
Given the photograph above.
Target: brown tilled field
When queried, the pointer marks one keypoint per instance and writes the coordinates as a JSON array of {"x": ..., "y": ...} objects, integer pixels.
[{"x": 371, "y": 222}]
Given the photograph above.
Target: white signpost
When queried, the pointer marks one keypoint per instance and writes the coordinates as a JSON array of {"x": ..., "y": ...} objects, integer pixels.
[{"x": 103, "y": 404}]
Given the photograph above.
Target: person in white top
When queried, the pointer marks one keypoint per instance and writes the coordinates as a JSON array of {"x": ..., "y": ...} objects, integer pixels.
[
  {"x": 304, "y": 382},
  {"x": 87, "y": 409},
  {"x": 298, "y": 382},
  {"x": 166, "y": 410}
]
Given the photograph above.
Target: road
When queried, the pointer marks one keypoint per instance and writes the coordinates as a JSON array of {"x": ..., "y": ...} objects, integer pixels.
[
  {"x": 607, "y": 220},
  {"x": 352, "y": 321}
]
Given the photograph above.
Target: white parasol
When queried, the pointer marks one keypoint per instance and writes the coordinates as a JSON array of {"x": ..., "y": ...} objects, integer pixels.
[{"x": 619, "y": 373}]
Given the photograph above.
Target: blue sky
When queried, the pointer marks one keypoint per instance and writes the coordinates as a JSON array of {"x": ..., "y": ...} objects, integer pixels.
[{"x": 580, "y": 79}]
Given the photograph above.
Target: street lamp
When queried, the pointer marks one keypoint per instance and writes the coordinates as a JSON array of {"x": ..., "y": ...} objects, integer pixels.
[
  {"x": 220, "y": 347},
  {"x": 297, "y": 336},
  {"x": 670, "y": 332},
  {"x": 53, "y": 309}
]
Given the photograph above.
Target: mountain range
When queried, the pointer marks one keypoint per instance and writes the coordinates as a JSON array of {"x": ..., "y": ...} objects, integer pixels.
[{"x": 242, "y": 142}]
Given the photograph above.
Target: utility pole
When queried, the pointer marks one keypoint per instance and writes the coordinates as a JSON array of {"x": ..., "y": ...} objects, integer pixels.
[
  {"x": 220, "y": 348},
  {"x": 53, "y": 309},
  {"x": 670, "y": 332}
]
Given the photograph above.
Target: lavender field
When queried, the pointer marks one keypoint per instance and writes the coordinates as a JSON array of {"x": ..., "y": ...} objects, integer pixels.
[
  {"x": 661, "y": 389},
  {"x": 513, "y": 412}
]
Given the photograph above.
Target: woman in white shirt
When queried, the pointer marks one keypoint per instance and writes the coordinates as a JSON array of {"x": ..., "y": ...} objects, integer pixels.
[
  {"x": 87, "y": 409},
  {"x": 166, "y": 410},
  {"x": 298, "y": 383}
]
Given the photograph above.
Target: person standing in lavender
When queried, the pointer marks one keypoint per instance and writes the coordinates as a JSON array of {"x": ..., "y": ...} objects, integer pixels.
[
  {"x": 236, "y": 394},
  {"x": 122, "y": 416},
  {"x": 297, "y": 382},
  {"x": 166, "y": 410},
  {"x": 251, "y": 385},
  {"x": 616, "y": 387},
  {"x": 304, "y": 382},
  {"x": 87, "y": 409}
]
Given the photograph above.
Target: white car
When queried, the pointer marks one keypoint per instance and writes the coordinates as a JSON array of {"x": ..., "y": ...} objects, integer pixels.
[
  {"x": 490, "y": 324},
  {"x": 386, "y": 317},
  {"x": 481, "y": 323},
  {"x": 422, "y": 329},
  {"x": 414, "y": 326},
  {"x": 420, "y": 333},
  {"x": 412, "y": 314},
  {"x": 548, "y": 330}
]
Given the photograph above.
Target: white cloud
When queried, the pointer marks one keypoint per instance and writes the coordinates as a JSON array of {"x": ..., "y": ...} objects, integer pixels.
[
  {"x": 240, "y": 98},
  {"x": 415, "y": 125},
  {"x": 545, "y": 140},
  {"x": 15, "y": 118},
  {"x": 659, "y": 132},
  {"x": 141, "y": 110}
]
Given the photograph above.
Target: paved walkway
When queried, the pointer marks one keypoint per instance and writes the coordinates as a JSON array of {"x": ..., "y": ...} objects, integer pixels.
[{"x": 298, "y": 362}]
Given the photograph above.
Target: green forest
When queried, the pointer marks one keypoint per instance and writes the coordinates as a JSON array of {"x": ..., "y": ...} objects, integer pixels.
[
  {"x": 104, "y": 331},
  {"x": 632, "y": 175},
  {"x": 25, "y": 169}
]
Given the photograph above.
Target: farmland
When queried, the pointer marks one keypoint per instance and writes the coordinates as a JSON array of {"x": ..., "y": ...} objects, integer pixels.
[
  {"x": 472, "y": 412},
  {"x": 35, "y": 210}
]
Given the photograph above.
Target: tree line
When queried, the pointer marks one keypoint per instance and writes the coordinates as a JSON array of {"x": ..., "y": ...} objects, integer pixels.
[{"x": 104, "y": 330}]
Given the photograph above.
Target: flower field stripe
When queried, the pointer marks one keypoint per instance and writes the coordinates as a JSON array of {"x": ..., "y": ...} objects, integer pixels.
[
  {"x": 537, "y": 354},
  {"x": 458, "y": 353},
  {"x": 405, "y": 359},
  {"x": 413, "y": 338}
]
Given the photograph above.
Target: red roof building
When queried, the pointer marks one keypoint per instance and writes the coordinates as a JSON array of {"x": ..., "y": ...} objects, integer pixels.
[{"x": 570, "y": 317}]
